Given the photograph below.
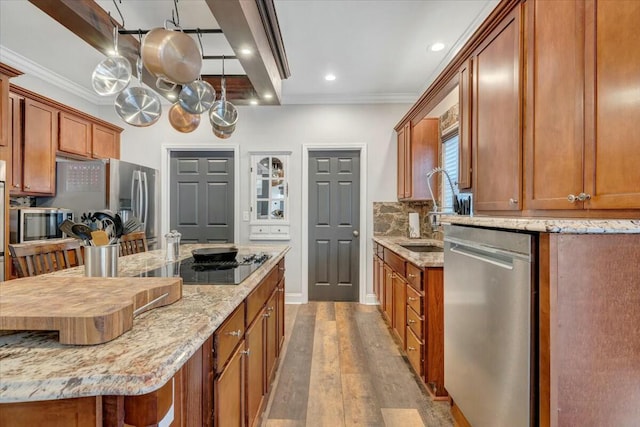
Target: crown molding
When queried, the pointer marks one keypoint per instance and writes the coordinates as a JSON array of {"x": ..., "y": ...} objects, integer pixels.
[
  {"x": 325, "y": 99},
  {"x": 34, "y": 69}
]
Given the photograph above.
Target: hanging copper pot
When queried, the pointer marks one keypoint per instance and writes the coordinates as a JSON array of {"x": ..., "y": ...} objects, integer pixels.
[{"x": 181, "y": 120}]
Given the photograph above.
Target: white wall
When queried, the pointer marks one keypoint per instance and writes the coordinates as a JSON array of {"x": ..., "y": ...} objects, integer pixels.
[{"x": 288, "y": 128}]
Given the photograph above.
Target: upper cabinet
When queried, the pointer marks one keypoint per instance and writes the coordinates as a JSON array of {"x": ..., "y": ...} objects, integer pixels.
[
  {"x": 464, "y": 130},
  {"x": 39, "y": 129},
  {"x": 270, "y": 210},
  {"x": 496, "y": 113},
  {"x": 39, "y": 148},
  {"x": 583, "y": 152},
  {"x": 418, "y": 153}
]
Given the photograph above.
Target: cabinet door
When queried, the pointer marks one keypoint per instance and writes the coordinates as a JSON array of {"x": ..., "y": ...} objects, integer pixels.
[
  {"x": 255, "y": 367},
  {"x": 554, "y": 137},
  {"x": 424, "y": 155},
  {"x": 40, "y": 143},
  {"x": 497, "y": 145},
  {"x": 376, "y": 277},
  {"x": 105, "y": 143},
  {"x": 280, "y": 310},
  {"x": 4, "y": 111},
  {"x": 401, "y": 163},
  {"x": 400, "y": 308},
  {"x": 228, "y": 393},
  {"x": 612, "y": 155},
  {"x": 464, "y": 161},
  {"x": 75, "y": 135},
  {"x": 408, "y": 161},
  {"x": 388, "y": 294},
  {"x": 16, "y": 108},
  {"x": 271, "y": 342}
]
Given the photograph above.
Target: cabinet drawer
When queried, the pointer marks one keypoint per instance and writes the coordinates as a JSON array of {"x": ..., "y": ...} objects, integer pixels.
[
  {"x": 259, "y": 296},
  {"x": 414, "y": 276},
  {"x": 414, "y": 300},
  {"x": 394, "y": 261},
  {"x": 415, "y": 322},
  {"x": 414, "y": 352},
  {"x": 227, "y": 336}
]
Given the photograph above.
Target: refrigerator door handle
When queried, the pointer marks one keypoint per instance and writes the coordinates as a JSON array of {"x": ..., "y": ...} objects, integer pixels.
[
  {"x": 134, "y": 194},
  {"x": 144, "y": 187}
]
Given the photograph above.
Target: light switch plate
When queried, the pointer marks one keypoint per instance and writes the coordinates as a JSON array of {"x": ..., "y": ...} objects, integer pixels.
[{"x": 245, "y": 216}]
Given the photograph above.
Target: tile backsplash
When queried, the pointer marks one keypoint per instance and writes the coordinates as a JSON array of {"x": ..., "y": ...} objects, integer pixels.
[{"x": 392, "y": 219}]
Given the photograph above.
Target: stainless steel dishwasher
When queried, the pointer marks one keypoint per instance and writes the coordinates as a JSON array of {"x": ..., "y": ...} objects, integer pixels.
[{"x": 489, "y": 350}]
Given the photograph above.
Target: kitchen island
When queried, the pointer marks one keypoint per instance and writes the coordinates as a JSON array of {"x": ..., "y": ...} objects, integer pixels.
[{"x": 35, "y": 367}]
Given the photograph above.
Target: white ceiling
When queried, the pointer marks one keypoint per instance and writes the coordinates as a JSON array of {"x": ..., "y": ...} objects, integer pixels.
[{"x": 378, "y": 49}]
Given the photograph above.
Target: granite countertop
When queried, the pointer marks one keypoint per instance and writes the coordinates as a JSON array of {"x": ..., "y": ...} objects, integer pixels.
[
  {"x": 550, "y": 225},
  {"x": 420, "y": 259},
  {"x": 35, "y": 366}
]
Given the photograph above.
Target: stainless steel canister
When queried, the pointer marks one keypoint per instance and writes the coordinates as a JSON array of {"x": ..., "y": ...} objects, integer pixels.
[{"x": 101, "y": 261}]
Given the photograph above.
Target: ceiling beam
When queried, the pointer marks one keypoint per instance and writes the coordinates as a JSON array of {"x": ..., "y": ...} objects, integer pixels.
[
  {"x": 244, "y": 29},
  {"x": 239, "y": 91},
  {"x": 91, "y": 23}
]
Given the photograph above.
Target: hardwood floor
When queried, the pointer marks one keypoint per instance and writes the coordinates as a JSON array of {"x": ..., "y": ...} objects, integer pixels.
[{"x": 341, "y": 367}]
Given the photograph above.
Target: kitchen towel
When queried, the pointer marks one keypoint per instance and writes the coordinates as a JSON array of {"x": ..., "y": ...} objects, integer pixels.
[{"x": 414, "y": 225}]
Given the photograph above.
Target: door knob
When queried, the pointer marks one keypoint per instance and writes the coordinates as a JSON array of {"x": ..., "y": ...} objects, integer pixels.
[{"x": 356, "y": 233}]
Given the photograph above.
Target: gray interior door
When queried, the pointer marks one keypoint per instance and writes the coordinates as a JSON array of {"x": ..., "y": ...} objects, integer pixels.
[
  {"x": 202, "y": 196},
  {"x": 334, "y": 221}
]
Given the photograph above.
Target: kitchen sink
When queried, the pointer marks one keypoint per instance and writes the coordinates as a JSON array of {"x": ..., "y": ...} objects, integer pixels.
[{"x": 423, "y": 248}]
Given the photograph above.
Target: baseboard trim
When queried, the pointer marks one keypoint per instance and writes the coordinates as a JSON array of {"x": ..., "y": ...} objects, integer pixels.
[{"x": 294, "y": 298}]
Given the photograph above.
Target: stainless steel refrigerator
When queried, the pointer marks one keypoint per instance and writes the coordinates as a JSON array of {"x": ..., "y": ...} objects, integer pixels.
[{"x": 125, "y": 188}]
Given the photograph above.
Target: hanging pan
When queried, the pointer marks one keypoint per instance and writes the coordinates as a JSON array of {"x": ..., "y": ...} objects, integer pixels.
[
  {"x": 137, "y": 105},
  {"x": 181, "y": 120},
  {"x": 198, "y": 96},
  {"x": 223, "y": 114},
  {"x": 113, "y": 74}
]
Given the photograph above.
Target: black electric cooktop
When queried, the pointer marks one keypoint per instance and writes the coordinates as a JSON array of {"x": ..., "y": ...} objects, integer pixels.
[{"x": 210, "y": 273}]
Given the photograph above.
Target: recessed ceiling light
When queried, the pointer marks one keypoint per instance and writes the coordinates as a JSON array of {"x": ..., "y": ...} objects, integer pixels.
[
  {"x": 268, "y": 96},
  {"x": 246, "y": 51},
  {"x": 437, "y": 47},
  {"x": 330, "y": 77},
  {"x": 253, "y": 102}
]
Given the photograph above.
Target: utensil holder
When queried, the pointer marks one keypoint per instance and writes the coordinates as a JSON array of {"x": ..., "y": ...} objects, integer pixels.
[{"x": 101, "y": 261}]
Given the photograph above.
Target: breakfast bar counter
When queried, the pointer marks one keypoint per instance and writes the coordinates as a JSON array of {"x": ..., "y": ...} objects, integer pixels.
[{"x": 35, "y": 366}]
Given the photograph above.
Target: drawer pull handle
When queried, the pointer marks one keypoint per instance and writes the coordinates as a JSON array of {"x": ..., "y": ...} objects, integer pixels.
[
  {"x": 281, "y": 268},
  {"x": 412, "y": 299},
  {"x": 412, "y": 276},
  {"x": 269, "y": 308},
  {"x": 411, "y": 321},
  {"x": 246, "y": 352},
  {"x": 267, "y": 315},
  {"x": 235, "y": 333},
  {"x": 411, "y": 348},
  {"x": 27, "y": 187}
]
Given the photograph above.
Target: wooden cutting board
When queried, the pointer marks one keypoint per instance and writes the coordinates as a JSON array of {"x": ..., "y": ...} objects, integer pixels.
[{"x": 85, "y": 310}]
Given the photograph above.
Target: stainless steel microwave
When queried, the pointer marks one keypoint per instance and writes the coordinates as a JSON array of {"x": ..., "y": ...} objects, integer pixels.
[{"x": 29, "y": 224}]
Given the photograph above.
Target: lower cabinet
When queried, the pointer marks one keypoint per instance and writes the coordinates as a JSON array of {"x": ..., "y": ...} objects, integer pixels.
[
  {"x": 228, "y": 392},
  {"x": 411, "y": 301},
  {"x": 254, "y": 346}
]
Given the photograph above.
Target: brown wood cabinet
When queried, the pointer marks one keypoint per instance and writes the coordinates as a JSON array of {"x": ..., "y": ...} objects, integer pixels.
[
  {"x": 39, "y": 148},
  {"x": 464, "y": 131},
  {"x": 582, "y": 153},
  {"x": 496, "y": 113},
  {"x": 589, "y": 341},
  {"x": 418, "y": 153},
  {"x": 228, "y": 392},
  {"x": 75, "y": 135},
  {"x": 412, "y": 304},
  {"x": 15, "y": 113},
  {"x": 254, "y": 342},
  {"x": 105, "y": 142}
]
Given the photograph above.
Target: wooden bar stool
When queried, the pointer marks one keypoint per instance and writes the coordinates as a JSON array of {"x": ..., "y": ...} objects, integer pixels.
[
  {"x": 133, "y": 243},
  {"x": 33, "y": 259}
]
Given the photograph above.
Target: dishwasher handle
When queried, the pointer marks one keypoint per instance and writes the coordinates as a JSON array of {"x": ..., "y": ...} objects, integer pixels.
[{"x": 480, "y": 255}]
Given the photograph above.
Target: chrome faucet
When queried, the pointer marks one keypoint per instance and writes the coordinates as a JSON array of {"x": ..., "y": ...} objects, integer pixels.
[{"x": 433, "y": 215}]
